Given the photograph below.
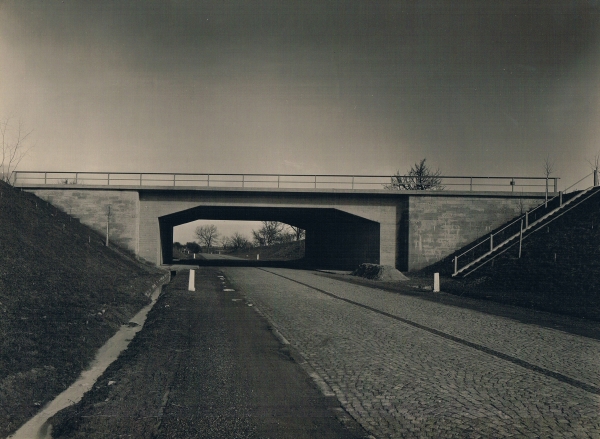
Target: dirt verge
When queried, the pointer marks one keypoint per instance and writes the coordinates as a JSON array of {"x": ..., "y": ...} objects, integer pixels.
[{"x": 205, "y": 365}]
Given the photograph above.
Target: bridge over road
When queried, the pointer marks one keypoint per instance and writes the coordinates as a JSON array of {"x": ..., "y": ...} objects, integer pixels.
[{"x": 348, "y": 219}]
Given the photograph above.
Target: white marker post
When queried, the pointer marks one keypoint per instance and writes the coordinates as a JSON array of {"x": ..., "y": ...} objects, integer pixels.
[
  {"x": 257, "y": 256},
  {"x": 436, "y": 282},
  {"x": 192, "y": 283}
]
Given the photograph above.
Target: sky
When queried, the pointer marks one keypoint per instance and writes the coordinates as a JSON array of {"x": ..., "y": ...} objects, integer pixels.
[{"x": 476, "y": 87}]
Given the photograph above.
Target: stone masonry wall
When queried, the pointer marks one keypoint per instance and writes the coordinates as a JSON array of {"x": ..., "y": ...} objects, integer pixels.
[
  {"x": 415, "y": 230},
  {"x": 439, "y": 225},
  {"x": 91, "y": 207}
]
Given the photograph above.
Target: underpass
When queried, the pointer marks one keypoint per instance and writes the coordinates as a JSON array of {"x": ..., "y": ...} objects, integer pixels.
[{"x": 334, "y": 238}]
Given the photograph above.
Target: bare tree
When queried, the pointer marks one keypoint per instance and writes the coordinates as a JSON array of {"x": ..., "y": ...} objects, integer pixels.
[
  {"x": 236, "y": 242},
  {"x": 207, "y": 236},
  {"x": 14, "y": 146},
  {"x": 548, "y": 170},
  {"x": 269, "y": 233},
  {"x": 298, "y": 232},
  {"x": 419, "y": 178},
  {"x": 548, "y": 166},
  {"x": 259, "y": 239}
]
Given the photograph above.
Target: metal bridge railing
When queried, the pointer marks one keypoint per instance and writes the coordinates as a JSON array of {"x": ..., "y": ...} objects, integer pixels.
[{"x": 281, "y": 181}]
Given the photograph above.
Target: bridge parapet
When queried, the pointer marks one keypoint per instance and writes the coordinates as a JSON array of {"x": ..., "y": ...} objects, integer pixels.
[{"x": 277, "y": 181}]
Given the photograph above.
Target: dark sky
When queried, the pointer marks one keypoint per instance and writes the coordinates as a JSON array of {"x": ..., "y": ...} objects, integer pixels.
[{"x": 358, "y": 87}]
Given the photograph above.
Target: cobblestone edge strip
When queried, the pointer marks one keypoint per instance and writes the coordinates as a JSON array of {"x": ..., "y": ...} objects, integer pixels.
[
  {"x": 321, "y": 384},
  {"x": 547, "y": 372},
  {"x": 300, "y": 358}
]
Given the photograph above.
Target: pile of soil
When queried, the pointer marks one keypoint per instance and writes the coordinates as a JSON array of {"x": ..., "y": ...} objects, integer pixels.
[
  {"x": 385, "y": 273},
  {"x": 62, "y": 295}
]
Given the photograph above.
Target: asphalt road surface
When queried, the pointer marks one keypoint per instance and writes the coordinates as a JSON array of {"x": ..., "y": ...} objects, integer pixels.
[{"x": 205, "y": 365}]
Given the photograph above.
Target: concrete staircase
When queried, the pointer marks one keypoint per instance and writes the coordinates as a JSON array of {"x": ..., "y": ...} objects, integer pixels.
[{"x": 524, "y": 229}]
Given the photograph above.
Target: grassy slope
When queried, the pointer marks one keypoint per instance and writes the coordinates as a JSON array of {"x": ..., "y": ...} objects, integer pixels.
[
  {"x": 559, "y": 270},
  {"x": 62, "y": 295},
  {"x": 276, "y": 252}
]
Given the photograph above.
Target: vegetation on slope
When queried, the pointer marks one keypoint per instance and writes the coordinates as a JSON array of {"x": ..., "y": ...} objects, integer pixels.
[
  {"x": 285, "y": 251},
  {"x": 559, "y": 269},
  {"x": 62, "y": 295}
]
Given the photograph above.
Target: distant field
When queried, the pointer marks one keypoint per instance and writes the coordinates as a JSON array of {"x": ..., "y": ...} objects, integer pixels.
[{"x": 277, "y": 252}]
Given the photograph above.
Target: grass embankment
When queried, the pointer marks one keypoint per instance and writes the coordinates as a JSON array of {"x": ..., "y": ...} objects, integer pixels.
[
  {"x": 277, "y": 252},
  {"x": 559, "y": 269},
  {"x": 62, "y": 295}
]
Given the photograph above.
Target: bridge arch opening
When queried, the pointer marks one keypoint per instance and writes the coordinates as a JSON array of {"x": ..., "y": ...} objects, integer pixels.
[
  {"x": 271, "y": 240},
  {"x": 334, "y": 239}
]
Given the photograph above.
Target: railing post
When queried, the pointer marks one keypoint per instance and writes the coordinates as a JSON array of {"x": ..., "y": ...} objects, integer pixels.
[
  {"x": 76, "y": 177},
  {"x": 560, "y": 198},
  {"x": 595, "y": 177},
  {"x": 555, "y": 184},
  {"x": 45, "y": 178},
  {"x": 243, "y": 178},
  {"x": 526, "y": 219},
  {"x": 207, "y": 179},
  {"x": 174, "y": 179},
  {"x": 471, "y": 184},
  {"x": 141, "y": 179},
  {"x": 108, "y": 179},
  {"x": 512, "y": 185},
  {"x": 492, "y": 242},
  {"x": 520, "y": 239},
  {"x": 353, "y": 182},
  {"x": 455, "y": 265},
  {"x": 16, "y": 174},
  {"x": 315, "y": 181},
  {"x": 278, "y": 177}
]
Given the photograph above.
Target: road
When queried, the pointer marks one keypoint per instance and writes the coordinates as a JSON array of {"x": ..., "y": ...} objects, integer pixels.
[
  {"x": 407, "y": 367},
  {"x": 399, "y": 365},
  {"x": 205, "y": 365}
]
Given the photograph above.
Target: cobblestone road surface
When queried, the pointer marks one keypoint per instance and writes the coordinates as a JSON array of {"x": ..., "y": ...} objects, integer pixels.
[{"x": 406, "y": 367}]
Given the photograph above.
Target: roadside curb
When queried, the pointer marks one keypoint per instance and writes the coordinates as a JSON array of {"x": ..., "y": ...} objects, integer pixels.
[{"x": 162, "y": 281}]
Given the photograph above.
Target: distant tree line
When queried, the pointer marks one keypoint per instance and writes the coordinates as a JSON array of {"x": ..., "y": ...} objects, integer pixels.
[
  {"x": 188, "y": 247},
  {"x": 270, "y": 233}
]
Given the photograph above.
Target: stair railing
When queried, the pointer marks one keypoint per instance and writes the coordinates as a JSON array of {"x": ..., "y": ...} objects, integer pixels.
[{"x": 523, "y": 219}]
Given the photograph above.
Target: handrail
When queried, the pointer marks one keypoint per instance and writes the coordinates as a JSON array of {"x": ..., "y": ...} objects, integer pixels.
[
  {"x": 465, "y": 183},
  {"x": 521, "y": 218},
  {"x": 275, "y": 175},
  {"x": 568, "y": 208},
  {"x": 577, "y": 182}
]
